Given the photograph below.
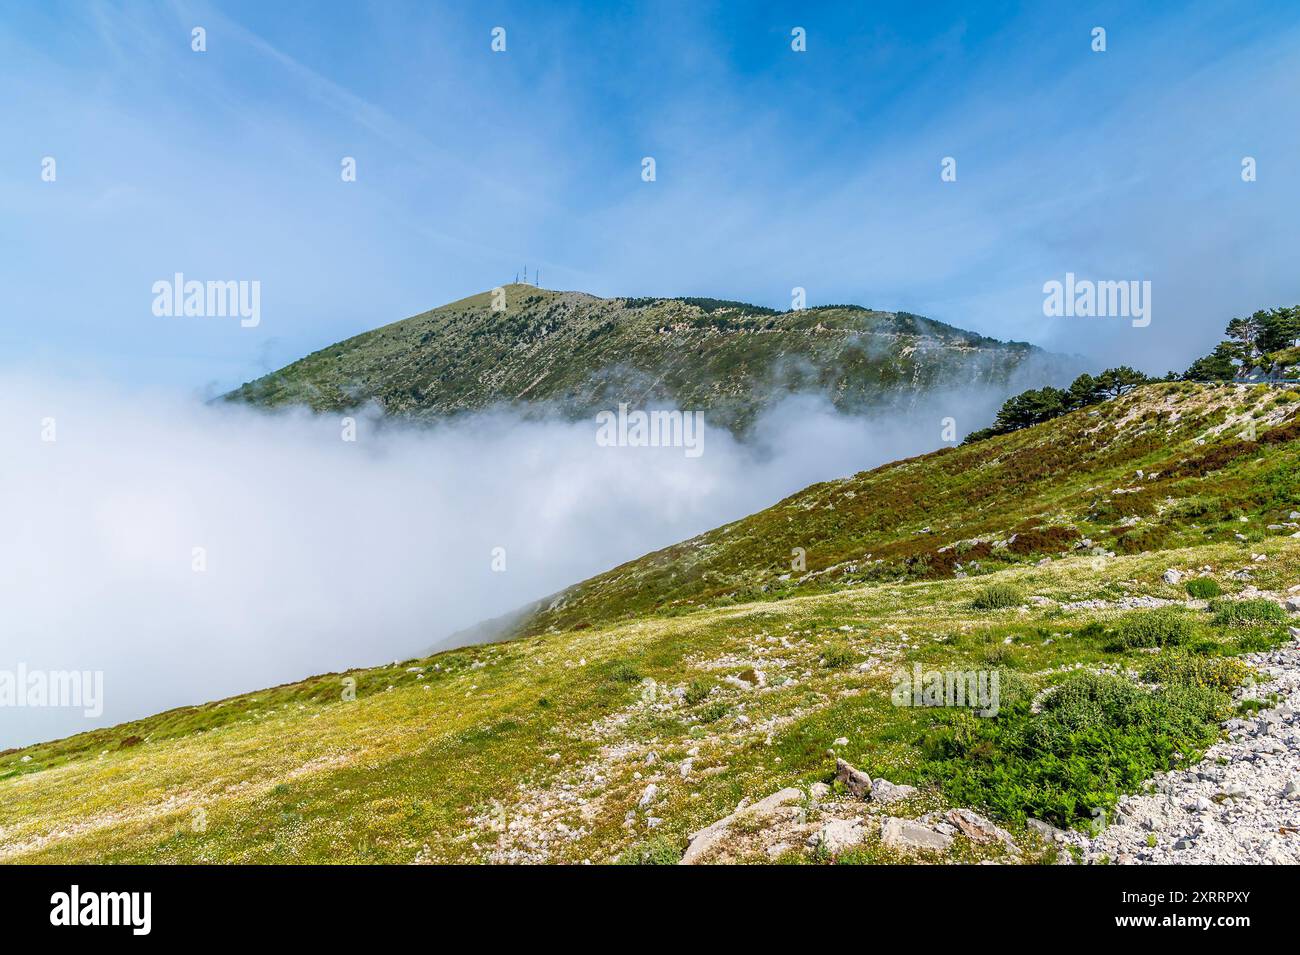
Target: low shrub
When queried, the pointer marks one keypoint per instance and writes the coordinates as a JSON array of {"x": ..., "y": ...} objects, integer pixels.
[
  {"x": 697, "y": 691},
  {"x": 1091, "y": 631},
  {"x": 1140, "y": 539},
  {"x": 1162, "y": 627},
  {"x": 1095, "y": 737},
  {"x": 624, "y": 671},
  {"x": 1236, "y": 613},
  {"x": 996, "y": 654},
  {"x": 1258, "y": 639},
  {"x": 997, "y": 597},
  {"x": 837, "y": 656},
  {"x": 714, "y": 712},
  {"x": 1038, "y": 540},
  {"x": 656, "y": 851},
  {"x": 1185, "y": 669}
]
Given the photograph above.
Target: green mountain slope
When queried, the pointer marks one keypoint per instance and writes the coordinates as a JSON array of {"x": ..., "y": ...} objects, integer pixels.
[
  {"x": 575, "y": 354},
  {"x": 1130, "y": 475},
  {"x": 636, "y": 722}
]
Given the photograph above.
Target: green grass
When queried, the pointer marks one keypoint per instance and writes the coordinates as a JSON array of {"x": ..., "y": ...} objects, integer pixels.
[
  {"x": 296, "y": 774},
  {"x": 1203, "y": 588}
]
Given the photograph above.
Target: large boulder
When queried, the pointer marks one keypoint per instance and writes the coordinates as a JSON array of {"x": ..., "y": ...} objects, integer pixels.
[
  {"x": 1047, "y": 831},
  {"x": 980, "y": 830},
  {"x": 885, "y": 792},
  {"x": 711, "y": 835},
  {"x": 909, "y": 836},
  {"x": 855, "y": 780},
  {"x": 839, "y": 834}
]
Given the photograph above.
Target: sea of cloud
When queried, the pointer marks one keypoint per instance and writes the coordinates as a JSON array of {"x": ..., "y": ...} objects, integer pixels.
[{"x": 193, "y": 550}]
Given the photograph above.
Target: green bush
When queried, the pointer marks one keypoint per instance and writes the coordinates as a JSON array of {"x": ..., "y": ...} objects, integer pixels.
[
  {"x": 1091, "y": 631},
  {"x": 1219, "y": 673},
  {"x": 714, "y": 712},
  {"x": 1095, "y": 737},
  {"x": 1258, "y": 639},
  {"x": 1203, "y": 588},
  {"x": 997, "y": 596},
  {"x": 697, "y": 691},
  {"x": 656, "y": 851},
  {"x": 624, "y": 671},
  {"x": 1093, "y": 701},
  {"x": 995, "y": 654},
  {"x": 1162, "y": 627},
  {"x": 837, "y": 656},
  {"x": 1237, "y": 613}
]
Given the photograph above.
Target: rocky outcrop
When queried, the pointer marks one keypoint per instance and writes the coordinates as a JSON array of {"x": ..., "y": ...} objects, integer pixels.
[
  {"x": 885, "y": 792},
  {"x": 907, "y": 835},
  {"x": 708, "y": 838},
  {"x": 838, "y": 835},
  {"x": 980, "y": 830}
]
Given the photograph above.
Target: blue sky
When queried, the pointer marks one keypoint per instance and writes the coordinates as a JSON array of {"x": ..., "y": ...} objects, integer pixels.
[{"x": 775, "y": 169}]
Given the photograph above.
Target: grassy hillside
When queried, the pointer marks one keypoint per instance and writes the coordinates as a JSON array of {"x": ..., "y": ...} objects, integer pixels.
[
  {"x": 577, "y": 354},
  {"x": 1170, "y": 465},
  {"x": 616, "y": 731}
]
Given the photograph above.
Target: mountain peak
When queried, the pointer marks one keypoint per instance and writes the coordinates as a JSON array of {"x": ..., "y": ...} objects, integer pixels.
[{"x": 577, "y": 353}]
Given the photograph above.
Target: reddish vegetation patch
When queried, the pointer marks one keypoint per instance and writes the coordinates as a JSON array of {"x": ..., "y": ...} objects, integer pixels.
[
  {"x": 1221, "y": 455},
  {"x": 945, "y": 564},
  {"x": 1141, "y": 503},
  {"x": 1137, "y": 540},
  {"x": 1282, "y": 433},
  {"x": 1039, "y": 540},
  {"x": 1215, "y": 459}
]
